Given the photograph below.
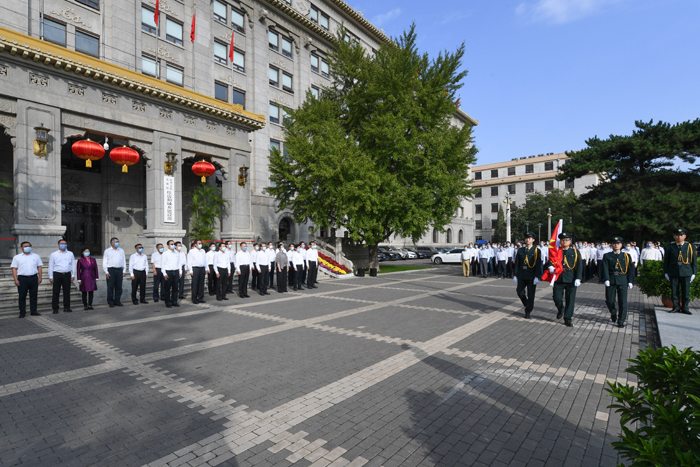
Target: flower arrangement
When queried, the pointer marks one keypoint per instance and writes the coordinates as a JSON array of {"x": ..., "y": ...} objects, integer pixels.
[{"x": 331, "y": 265}]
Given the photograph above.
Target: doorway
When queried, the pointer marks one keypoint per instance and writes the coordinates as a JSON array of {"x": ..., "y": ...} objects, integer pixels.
[
  {"x": 285, "y": 230},
  {"x": 82, "y": 222}
]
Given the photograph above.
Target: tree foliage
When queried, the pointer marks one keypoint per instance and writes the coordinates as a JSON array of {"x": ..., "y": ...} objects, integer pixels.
[
  {"x": 377, "y": 153},
  {"x": 500, "y": 233},
  {"x": 564, "y": 205},
  {"x": 207, "y": 206}
]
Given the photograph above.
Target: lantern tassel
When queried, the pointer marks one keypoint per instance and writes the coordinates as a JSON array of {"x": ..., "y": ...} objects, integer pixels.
[
  {"x": 125, "y": 169},
  {"x": 204, "y": 179},
  {"x": 88, "y": 163}
]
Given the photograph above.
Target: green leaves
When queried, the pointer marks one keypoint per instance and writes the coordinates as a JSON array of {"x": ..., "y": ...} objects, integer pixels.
[{"x": 207, "y": 207}]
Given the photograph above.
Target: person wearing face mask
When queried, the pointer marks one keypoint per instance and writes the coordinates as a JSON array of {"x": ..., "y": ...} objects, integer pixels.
[
  {"x": 298, "y": 264},
  {"x": 484, "y": 261},
  {"x": 114, "y": 266},
  {"x": 649, "y": 254},
  {"x": 211, "y": 283},
  {"x": 88, "y": 275},
  {"x": 599, "y": 254},
  {"x": 291, "y": 271},
  {"x": 544, "y": 251},
  {"x": 465, "y": 256},
  {"x": 680, "y": 268},
  {"x": 61, "y": 274},
  {"x": 282, "y": 266},
  {"x": 197, "y": 265},
  {"x": 312, "y": 264},
  {"x": 254, "y": 267},
  {"x": 232, "y": 263},
  {"x": 302, "y": 251},
  {"x": 568, "y": 281},
  {"x": 501, "y": 257},
  {"x": 158, "y": 281},
  {"x": 271, "y": 256},
  {"x": 528, "y": 271},
  {"x": 223, "y": 271},
  {"x": 138, "y": 270},
  {"x": 263, "y": 270},
  {"x": 26, "y": 271},
  {"x": 583, "y": 252},
  {"x": 618, "y": 275},
  {"x": 243, "y": 270},
  {"x": 510, "y": 256},
  {"x": 171, "y": 274},
  {"x": 182, "y": 253}
]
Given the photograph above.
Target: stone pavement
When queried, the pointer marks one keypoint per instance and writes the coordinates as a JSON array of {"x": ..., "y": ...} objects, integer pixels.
[{"x": 423, "y": 368}]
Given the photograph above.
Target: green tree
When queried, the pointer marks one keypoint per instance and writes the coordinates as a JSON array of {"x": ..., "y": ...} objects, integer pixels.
[
  {"x": 207, "y": 207},
  {"x": 499, "y": 235},
  {"x": 377, "y": 153},
  {"x": 641, "y": 194},
  {"x": 564, "y": 205}
]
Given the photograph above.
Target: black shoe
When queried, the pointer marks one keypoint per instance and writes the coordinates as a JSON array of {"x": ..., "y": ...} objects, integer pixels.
[
  {"x": 675, "y": 310},
  {"x": 560, "y": 314},
  {"x": 295, "y": 288},
  {"x": 613, "y": 318},
  {"x": 86, "y": 308},
  {"x": 90, "y": 307},
  {"x": 219, "y": 299},
  {"x": 119, "y": 304},
  {"x": 136, "y": 302},
  {"x": 201, "y": 301},
  {"x": 225, "y": 298},
  {"x": 181, "y": 298},
  {"x": 55, "y": 312},
  {"x": 247, "y": 296},
  {"x": 111, "y": 306},
  {"x": 35, "y": 314},
  {"x": 686, "y": 312},
  {"x": 176, "y": 304},
  {"x": 22, "y": 316},
  {"x": 155, "y": 300},
  {"x": 620, "y": 325},
  {"x": 168, "y": 305},
  {"x": 211, "y": 294},
  {"x": 68, "y": 310},
  {"x": 144, "y": 302},
  {"x": 568, "y": 324},
  {"x": 527, "y": 315},
  {"x": 195, "y": 302}
]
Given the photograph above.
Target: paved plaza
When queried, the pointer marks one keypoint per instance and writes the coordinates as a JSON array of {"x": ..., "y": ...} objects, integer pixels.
[{"x": 422, "y": 368}]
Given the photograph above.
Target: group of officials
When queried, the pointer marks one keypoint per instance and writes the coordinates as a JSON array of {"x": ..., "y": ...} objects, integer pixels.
[{"x": 296, "y": 268}]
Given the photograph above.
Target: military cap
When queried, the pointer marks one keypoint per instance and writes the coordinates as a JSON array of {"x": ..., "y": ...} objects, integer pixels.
[
  {"x": 679, "y": 232},
  {"x": 616, "y": 240},
  {"x": 564, "y": 235},
  {"x": 530, "y": 234}
]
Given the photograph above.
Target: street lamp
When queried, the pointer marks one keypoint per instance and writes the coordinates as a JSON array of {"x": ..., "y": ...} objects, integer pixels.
[
  {"x": 549, "y": 222},
  {"x": 539, "y": 231},
  {"x": 508, "y": 202},
  {"x": 527, "y": 225}
]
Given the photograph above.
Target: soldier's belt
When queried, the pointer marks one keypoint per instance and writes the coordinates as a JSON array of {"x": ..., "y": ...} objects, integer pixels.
[{"x": 619, "y": 273}]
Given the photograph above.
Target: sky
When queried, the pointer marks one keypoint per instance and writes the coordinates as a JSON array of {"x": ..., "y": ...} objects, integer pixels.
[{"x": 545, "y": 75}]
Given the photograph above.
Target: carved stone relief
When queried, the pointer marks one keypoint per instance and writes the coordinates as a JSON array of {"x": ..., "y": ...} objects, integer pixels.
[
  {"x": 4, "y": 71},
  {"x": 163, "y": 52},
  {"x": 164, "y": 6},
  {"x": 138, "y": 106},
  {"x": 282, "y": 100},
  {"x": 76, "y": 90},
  {"x": 166, "y": 114},
  {"x": 211, "y": 126},
  {"x": 232, "y": 79},
  {"x": 303, "y": 7},
  {"x": 8, "y": 105},
  {"x": 39, "y": 80},
  {"x": 72, "y": 185},
  {"x": 190, "y": 120},
  {"x": 227, "y": 37},
  {"x": 70, "y": 15},
  {"x": 110, "y": 99}
]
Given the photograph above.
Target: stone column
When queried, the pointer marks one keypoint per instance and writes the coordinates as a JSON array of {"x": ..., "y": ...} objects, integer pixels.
[
  {"x": 37, "y": 180},
  {"x": 238, "y": 225},
  {"x": 158, "y": 230}
]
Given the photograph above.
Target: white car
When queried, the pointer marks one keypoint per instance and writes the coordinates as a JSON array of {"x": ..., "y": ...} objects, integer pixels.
[
  {"x": 453, "y": 256},
  {"x": 410, "y": 254}
]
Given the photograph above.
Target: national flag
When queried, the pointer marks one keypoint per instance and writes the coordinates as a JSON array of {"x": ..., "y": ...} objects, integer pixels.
[
  {"x": 157, "y": 13},
  {"x": 555, "y": 255},
  {"x": 230, "y": 52},
  {"x": 194, "y": 18}
]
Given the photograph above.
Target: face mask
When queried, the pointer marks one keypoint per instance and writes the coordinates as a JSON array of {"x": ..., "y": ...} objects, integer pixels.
[
  {"x": 292, "y": 249},
  {"x": 264, "y": 248},
  {"x": 283, "y": 250},
  {"x": 140, "y": 250},
  {"x": 257, "y": 248},
  {"x": 27, "y": 249},
  {"x": 230, "y": 247},
  {"x": 245, "y": 248},
  {"x": 199, "y": 246},
  {"x": 63, "y": 247},
  {"x": 650, "y": 245},
  {"x": 160, "y": 250},
  {"x": 223, "y": 248},
  {"x": 116, "y": 245},
  {"x": 172, "y": 247},
  {"x": 86, "y": 254},
  {"x": 179, "y": 248}
]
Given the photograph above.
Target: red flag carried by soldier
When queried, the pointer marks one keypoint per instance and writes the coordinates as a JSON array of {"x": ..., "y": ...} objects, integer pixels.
[{"x": 555, "y": 256}]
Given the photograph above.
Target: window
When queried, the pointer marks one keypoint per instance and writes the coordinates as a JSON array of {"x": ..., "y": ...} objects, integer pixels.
[
  {"x": 220, "y": 11},
  {"x": 314, "y": 63},
  {"x": 274, "y": 76},
  {"x": 286, "y": 47},
  {"x": 315, "y": 92},
  {"x": 149, "y": 66},
  {"x": 220, "y": 53},
  {"x": 54, "y": 32},
  {"x": 313, "y": 14},
  {"x": 477, "y": 175},
  {"x": 273, "y": 40},
  {"x": 87, "y": 43},
  {"x": 478, "y": 237},
  {"x": 460, "y": 237},
  {"x": 287, "y": 82},
  {"x": 173, "y": 31},
  {"x": 494, "y": 207},
  {"x": 494, "y": 223},
  {"x": 494, "y": 173},
  {"x": 478, "y": 193},
  {"x": 238, "y": 97},
  {"x": 274, "y": 113},
  {"x": 549, "y": 166},
  {"x": 324, "y": 21},
  {"x": 511, "y": 170},
  {"x": 221, "y": 91},
  {"x": 147, "y": 23},
  {"x": 530, "y": 187},
  {"x": 238, "y": 61},
  {"x": 274, "y": 145},
  {"x": 286, "y": 154},
  {"x": 91, "y": 3},
  {"x": 478, "y": 225},
  {"x": 449, "y": 236},
  {"x": 174, "y": 74},
  {"x": 548, "y": 185},
  {"x": 569, "y": 184},
  {"x": 324, "y": 68},
  {"x": 237, "y": 20},
  {"x": 461, "y": 212},
  {"x": 511, "y": 189},
  {"x": 436, "y": 236},
  {"x": 494, "y": 191},
  {"x": 477, "y": 209},
  {"x": 529, "y": 168}
]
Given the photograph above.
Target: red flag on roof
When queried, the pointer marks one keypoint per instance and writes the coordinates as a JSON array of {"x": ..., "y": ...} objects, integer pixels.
[
  {"x": 194, "y": 18},
  {"x": 157, "y": 13},
  {"x": 230, "y": 52}
]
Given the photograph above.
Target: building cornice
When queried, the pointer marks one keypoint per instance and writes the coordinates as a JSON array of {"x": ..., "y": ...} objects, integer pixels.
[
  {"x": 515, "y": 179},
  {"x": 465, "y": 116},
  {"x": 526, "y": 161},
  {"x": 68, "y": 61}
]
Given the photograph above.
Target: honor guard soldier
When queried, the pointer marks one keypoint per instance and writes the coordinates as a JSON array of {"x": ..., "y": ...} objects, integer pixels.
[
  {"x": 680, "y": 267},
  {"x": 567, "y": 282},
  {"x": 528, "y": 270},
  {"x": 618, "y": 275}
]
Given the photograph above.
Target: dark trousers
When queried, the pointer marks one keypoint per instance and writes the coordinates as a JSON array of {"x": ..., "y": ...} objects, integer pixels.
[
  {"x": 139, "y": 281},
  {"x": 297, "y": 276},
  {"x": 263, "y": 277},
  {"x": 290, "y": 274},
  {"x": 303, "y": 275},
  {"x": 526, "y": 292},
  {"x": 243, "y": 280},
  {"x": 600, "y": 272},
  {"x": 211, "y": 283},
  {"x": 509, "y": 268},
  {"x": 181, "y": 285},
  {"x": 282, "y": 280},
  {"x": 501, "y": 269},
  {"x": 565, "y": 291},
  {"x": 170, "y": 288},
  {"x": 87, "y": 298},
  {"x": 198, "y": 274},
  {"x": 61, "y": 280},
  {"x": 230, "y": 279},
  {"x": 222, "y": 283},
  {"x": 680, "y": 292},
  {"x": 28, "y": 284},
  {"x": 158, "y": 283},
  {"x": 272, "y": 274},
  {"x": 114, "y": 285},
  {"x": 254, "y": 280},
  {"x": 619, "y": 290},
  {"x": 474, "y": 267},
  {"x": 313, "y": 271},
  {"x": 484, "y": 267}
]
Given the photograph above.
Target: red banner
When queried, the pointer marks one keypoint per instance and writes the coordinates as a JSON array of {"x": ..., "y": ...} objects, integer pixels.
[{"x": 555, "y": 255}]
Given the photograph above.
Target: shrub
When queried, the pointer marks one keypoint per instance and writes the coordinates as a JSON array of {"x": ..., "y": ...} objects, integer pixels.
[{"x": 652, "y": 283}]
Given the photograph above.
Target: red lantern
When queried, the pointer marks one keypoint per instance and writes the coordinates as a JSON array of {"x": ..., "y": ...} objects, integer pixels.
[
  {"x": 88, "y": 150},
  {"x": 124, "y": 156},
  {"x": 203, "y": 169}
]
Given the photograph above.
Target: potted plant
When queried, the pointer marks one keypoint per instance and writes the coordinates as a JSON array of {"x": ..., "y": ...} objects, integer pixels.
[{"x": 652, "y": 283}]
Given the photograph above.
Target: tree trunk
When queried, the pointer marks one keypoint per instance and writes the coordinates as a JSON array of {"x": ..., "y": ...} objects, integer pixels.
[{"x": 373, "y": 260}]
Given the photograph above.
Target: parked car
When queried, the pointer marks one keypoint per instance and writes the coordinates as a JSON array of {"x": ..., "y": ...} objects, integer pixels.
[
  {"x": 419, "y": 254},
  {"x": 393, "y": 249},
  {"x": 381, "y": 257},
  {"x": 428, "y": 251},
  {"x": 452, "y": 256},
  {"x": 390, "y": 255},
  {"x": 444, "y": 249},
  {"x": 409, "y": 254}
]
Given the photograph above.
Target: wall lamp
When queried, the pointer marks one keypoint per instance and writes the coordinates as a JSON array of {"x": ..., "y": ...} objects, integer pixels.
[
  {"x": 170, "y": 161},
  {"x": 41, "y": 140},
  {"x": 243, "y": 175}
]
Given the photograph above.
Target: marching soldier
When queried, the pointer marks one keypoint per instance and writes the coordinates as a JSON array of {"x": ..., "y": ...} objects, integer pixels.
[
  {"x": 618, "y": 275},
  {"x": 528, "y": 270},
  {"x": 680, "y": 267},
  {"x": 567, "y": 282}
]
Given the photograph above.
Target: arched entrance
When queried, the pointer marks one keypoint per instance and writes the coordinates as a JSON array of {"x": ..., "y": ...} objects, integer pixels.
[
  {"x": 285, "y": 230},
  {"x": 7, "y": 194},
  {"x": 449, "y": 235}
]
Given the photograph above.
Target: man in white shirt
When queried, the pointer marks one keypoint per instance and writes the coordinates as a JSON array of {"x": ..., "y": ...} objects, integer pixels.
[
  {"x": 263, "y": 270},
  {"x": 650, "y": 254},
  {"x": 600, "y": 252},
  {"x": 501, "y": 258},
  {"x": 630, "y": 250},
  {"x": 183, "y": 268},
  {"x": 197, "y": 265},
  {"x": 302, "y": 249},
  {"x": 484, "y": 261},
  {"x": 171, "y": 274},
  {"x": 26, "y": 271},
  {"x": 254, "y": 266},
  {"x": 211, "y": 282},
  {"x": 222, "y": 266},
  {"x": 466, "y": 257},
  {"x": 61, "y": 274},
  {"x": 297, "y": 265},
  {"x": 158, "y": 281},
  {"x": 114, "y": 266},
  {"x": 271, "y": 253},
  {"x": 232, "y": 262},
  {"x": 138, "y": 270},
  {"x": 312, "y": 264},
  {"x": 243, "y": 270}
]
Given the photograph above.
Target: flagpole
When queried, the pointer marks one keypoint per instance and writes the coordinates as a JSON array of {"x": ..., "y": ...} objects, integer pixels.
[{"x": 194, "y": 15}]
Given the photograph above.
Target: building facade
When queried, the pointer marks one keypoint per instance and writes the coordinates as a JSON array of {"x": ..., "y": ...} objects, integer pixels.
[{"x": 517, "y": 179}]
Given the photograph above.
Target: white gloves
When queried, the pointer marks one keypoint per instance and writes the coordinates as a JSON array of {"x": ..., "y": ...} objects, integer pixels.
[
  {"x": 535, "y": 281},
  {"x": 551, "y": 269},
  {"x": 630, "y": 285},
  {"x": 515, "y": 279},
  {"x": 607, "y": 283},
  {"x": 667, "y": 278},
  {"x": 551, "y": 284},
  {"x": 692, "y": 278},
  {"x": 577, "y": 282}
]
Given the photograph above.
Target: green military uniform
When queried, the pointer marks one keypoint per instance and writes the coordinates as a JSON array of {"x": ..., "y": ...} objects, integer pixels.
[
  {"x": 681, "y": 266},
  {"x": 567, "y": 281},
  {"x": 528, "y": 270},
  {"x": 618, "y": 270}
]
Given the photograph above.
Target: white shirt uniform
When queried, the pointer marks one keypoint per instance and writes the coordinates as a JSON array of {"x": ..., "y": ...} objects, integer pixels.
[
  {"x": 171, "y": 261},
  {"x": 501, "y": 255},
  {"x": 210, "y": 257},
  {"x": 262, "y": 260},
  {"x": 196, "y": 258},
  {"x": 254, "y": 258},
  {"x": 584, "y": 253},
  {"x": 600, "y": 252},
  {"x": 633, "y": 254},
  {"x": 242, "y": 259},
  {"x": 303, "y": 254},
  {"x": 271, "y": 255},
  {"x": 650, "y": 254},
  {"x": 663, "y": 252},
  {"x": 312, "y": 255},
  {"x": 61, "y": 261},
  {"x": 484, "y": 254},
  {"x": 157, "y": 260},
  {"x": 113, "y": 259},
  {"x": 138, "y": 262},
  {"x": 297, "y": 259},
  {"x": 221, "y": 262},
  {"x": 231, "y": 257},
  {"x": 183, "y": 260},
  {"x": 27, "y": 265},
  {"x": 466, "y": 255},
  {"x": 592, "y": 255}
]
